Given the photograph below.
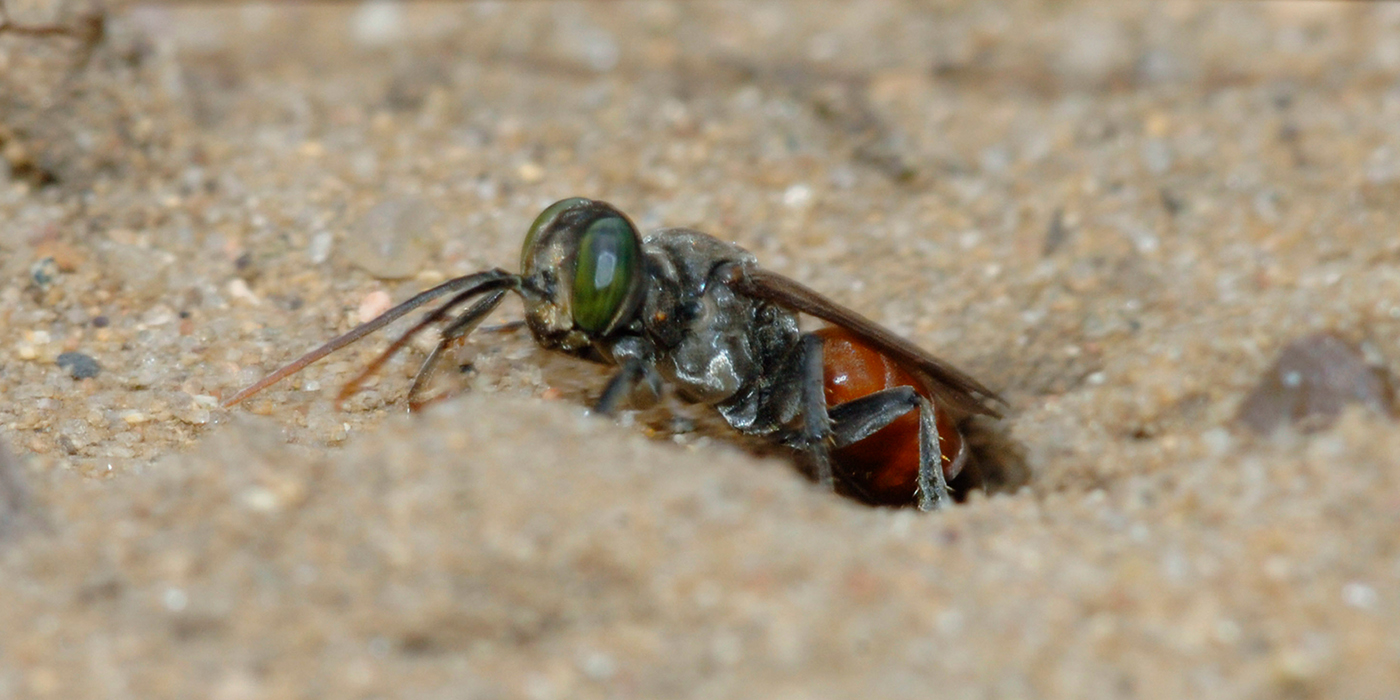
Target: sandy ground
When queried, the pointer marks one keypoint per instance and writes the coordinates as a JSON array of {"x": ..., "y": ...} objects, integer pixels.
[{"x": 1116, "y": 213}]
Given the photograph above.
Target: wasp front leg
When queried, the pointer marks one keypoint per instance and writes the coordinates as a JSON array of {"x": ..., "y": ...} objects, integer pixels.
[
  {"x": 460, "y": 328},
  {"x": 635, "y": 368}
]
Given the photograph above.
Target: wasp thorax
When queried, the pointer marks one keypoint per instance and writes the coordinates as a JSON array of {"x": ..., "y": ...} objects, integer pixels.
[{"x": 585, "y": 259}]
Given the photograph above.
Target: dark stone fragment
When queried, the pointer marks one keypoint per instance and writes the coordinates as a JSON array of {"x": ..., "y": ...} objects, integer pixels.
[
  {"x": 79, "y": 365},
  {"x": 44, "y": 273},
  {"x": 1313, "y": 380},
  {"x": 101, "y": 322}
]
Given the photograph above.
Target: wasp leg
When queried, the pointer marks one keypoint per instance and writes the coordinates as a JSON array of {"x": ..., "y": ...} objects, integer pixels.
[
  {"x": 619, "y": 386},
  {"x": 816, "y": 434},
  {"x": 506, "y": 327},
  {"x": 933, "y": 487},
  {"x": 635, "y": 365},
  {"x": 858, "y": 419},
  {"x": 458, "y": 329},
  {"x": 633, "y": 371},
  {"x": 434, "y": 316}
]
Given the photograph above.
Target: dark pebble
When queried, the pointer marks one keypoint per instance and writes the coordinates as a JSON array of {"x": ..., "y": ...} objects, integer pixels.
[
  {"x": 1313, "y": 380},
  {"x": 100, "y": 322},
  {"x": 43, "y": 273},
  {"x": 79, "y": 365}
]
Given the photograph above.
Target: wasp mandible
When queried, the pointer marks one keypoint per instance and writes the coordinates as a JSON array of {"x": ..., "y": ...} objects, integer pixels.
[{"x": 873, "y": 412}]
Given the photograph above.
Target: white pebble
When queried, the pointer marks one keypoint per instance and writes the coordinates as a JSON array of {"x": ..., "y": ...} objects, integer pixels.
[
  {"x": 238, "y": 289},
  {"x": 797, "y": 196},
  {"x": 320, "y": 249},
  {"x": 1359, "y": 595},
  {"x": 175, "y": 599},
  {"x": 260, "y": 499},
  {"x": 377, "y": 22},
  {"x": 374, "y": 304}
]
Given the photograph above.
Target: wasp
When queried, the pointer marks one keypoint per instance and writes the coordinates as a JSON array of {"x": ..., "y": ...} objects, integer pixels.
[{"x": 875, "y": 415}]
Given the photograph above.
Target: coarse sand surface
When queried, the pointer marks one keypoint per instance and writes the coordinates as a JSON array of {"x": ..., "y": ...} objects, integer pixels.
[{"x": 1115, "y": 213}]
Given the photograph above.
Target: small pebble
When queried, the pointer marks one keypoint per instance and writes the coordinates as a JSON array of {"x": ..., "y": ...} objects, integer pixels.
[
  {"x": 157, "y": 316},
  {"x": 175, "y": 599},
  {"x": 1313, "y": 379},
  {"x": 44, "y": 273},
  {"x": 319, "y": 249},
  {"x": 1359, "y": 595},
  {"x": 530, "y": 172},
  {"x": 377, "y": 22},
  {"x": 238, "y": 289},
  {"x": 260, "y": 499},
  {"x": 797, "y": 196},
  {"x": 374, "y": 304},
  {"x": 75, "y": 435},
  {"x": 598, "y": 666},
  {"x": 79, "y": 365},
  {"x": 187, "y": 409}
]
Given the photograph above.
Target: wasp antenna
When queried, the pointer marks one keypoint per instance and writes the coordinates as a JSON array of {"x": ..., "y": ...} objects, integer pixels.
[{"x": 466, "y": 287}]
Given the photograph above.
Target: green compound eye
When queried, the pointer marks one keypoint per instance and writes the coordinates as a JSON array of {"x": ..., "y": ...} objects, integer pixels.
[
  {"x": 549, "y": 214},
  {"x": 609, "y": 266}
]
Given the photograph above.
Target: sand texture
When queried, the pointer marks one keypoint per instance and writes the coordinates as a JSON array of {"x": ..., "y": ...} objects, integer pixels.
[{"x": 1135, "y": 220}]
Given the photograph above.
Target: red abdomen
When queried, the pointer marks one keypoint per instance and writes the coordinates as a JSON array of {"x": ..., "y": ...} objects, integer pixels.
[{"x": 884, "y": 467}]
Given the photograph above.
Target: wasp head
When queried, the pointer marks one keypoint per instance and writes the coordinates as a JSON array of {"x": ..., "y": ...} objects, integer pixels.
[{"x": 582, "y": 259}]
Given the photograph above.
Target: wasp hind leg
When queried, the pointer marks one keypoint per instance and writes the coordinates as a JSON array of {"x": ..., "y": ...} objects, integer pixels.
[
  {"x": 933, "y": 486},
  {"x": 860, "y": 418}
]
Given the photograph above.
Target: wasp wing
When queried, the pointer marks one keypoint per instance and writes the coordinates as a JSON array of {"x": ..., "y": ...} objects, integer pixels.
[{"x": 950, "y": 385}]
